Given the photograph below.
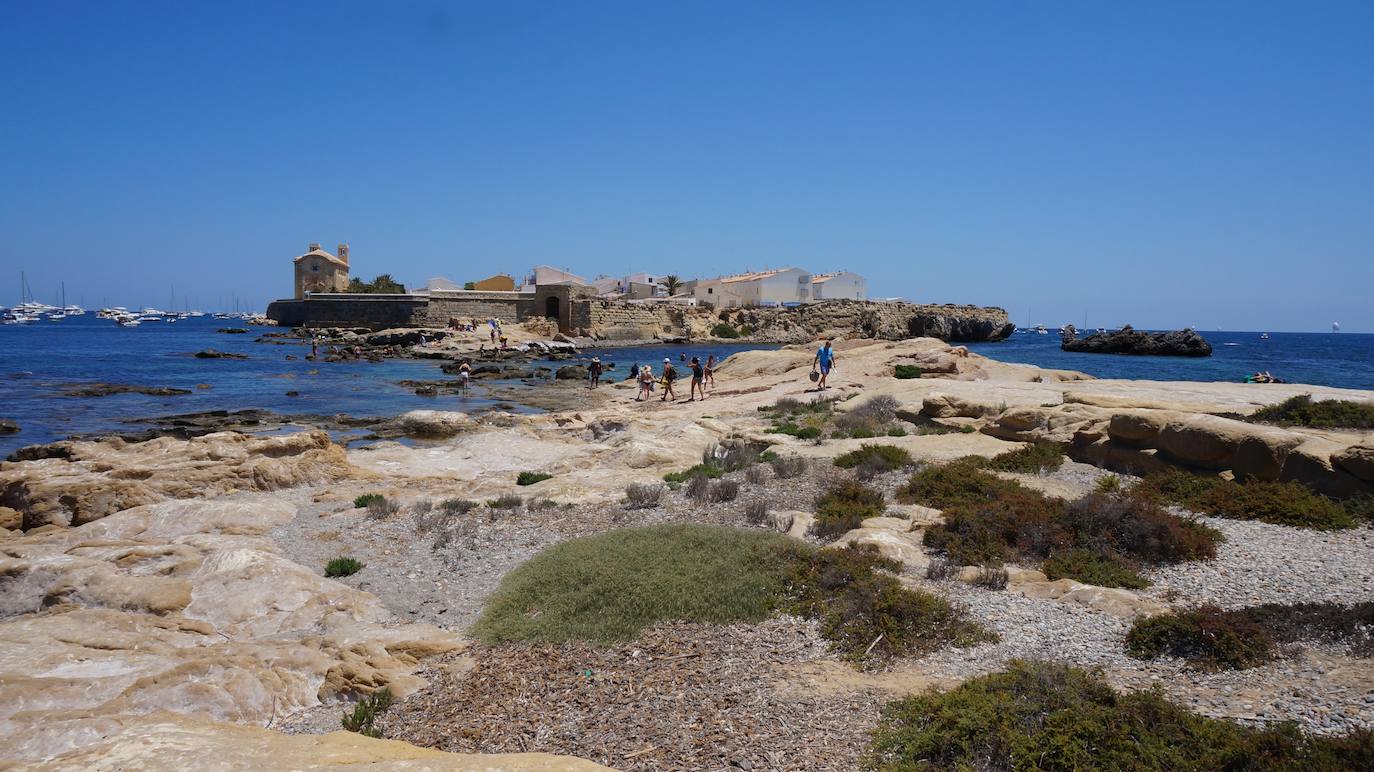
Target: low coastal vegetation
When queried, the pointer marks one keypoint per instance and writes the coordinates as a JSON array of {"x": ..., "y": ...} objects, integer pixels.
[
  {"x": 1210, "y": 638},
  {"x": 342, "y": 566},
  {"x": 716, "y": 461},
  {"x": 363, "y": 718},
  {"x": 875, "y": 417},
  {"x": 1035, "y": 458},
  {"x": 608, "y": 587},
  {"x": 505, "y": 501},
  {"x": 871, "y": 460},
  {"x": 1280, "y": 503},
  {"x": 366, "y": 499},
  {"x": 530, "y": 478},
  {"x": 1302, "y": 410},
  {"x": 1045, "y": 716},
  {"x": 1104, "y": 539},
  {"x": 725, "y": 330},
  {"x": 844, "y": 506},
  {"x": 906, "y": 372}
]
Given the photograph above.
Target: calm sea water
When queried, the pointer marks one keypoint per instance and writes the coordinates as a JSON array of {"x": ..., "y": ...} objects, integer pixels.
[
  {"x": 41, "y": 360},
  {"x": 1326, "y": 359}
]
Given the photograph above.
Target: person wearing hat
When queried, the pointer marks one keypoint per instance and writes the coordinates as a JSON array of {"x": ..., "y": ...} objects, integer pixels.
[
  {"x": 669, "y": 375},
  {"x": 594, "y": 373}
]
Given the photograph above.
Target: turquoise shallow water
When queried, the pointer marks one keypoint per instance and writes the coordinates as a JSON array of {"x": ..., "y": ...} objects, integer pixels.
[{"x": 39, "y": 361}]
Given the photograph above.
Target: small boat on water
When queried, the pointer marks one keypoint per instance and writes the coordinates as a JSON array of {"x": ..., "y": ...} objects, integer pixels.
[
  {"x": 1040, "y": 330},
  {"x": 1335, "y": 326},
  {"x": 1264, "y": 336}
]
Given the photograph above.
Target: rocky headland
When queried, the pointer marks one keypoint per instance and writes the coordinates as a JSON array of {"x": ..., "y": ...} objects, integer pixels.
[
  {"x": 170, "y": 593},
  {"x": 1127, "y": 340}
]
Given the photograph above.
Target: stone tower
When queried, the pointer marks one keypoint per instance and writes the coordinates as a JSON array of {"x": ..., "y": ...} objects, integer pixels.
[{"x": 343, "y": 253}]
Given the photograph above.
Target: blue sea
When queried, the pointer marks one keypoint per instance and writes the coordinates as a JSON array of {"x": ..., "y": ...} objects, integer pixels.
[
  {"x": 39, "y": 361},
  {"x": 1339, "y": 359}
]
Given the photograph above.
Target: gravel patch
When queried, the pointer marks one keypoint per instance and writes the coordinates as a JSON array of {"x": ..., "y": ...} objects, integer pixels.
[
  {"x": 1320, "y": 688},
  {"x": 1264, "y": 563}
]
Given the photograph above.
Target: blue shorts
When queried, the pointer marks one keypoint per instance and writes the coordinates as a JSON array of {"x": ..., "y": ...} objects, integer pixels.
[{"x": 825, "y": 368}]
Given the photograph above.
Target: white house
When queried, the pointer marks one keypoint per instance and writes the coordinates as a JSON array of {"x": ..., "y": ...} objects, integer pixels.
[
  {"x": 785, "y": 286},
  {"x": 545, "y": 275},
  {"x": 841, "y": 285}
]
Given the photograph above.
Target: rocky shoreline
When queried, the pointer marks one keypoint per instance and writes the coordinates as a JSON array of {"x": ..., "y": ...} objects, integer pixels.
[{"x": 134, "y": 565}]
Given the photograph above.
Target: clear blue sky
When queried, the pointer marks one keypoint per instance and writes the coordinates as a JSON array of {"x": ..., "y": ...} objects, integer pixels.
[{"x": 1158, "y": 163}]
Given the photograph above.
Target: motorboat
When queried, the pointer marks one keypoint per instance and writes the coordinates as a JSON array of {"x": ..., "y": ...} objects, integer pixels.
[{"x": 1264, "y": 336}]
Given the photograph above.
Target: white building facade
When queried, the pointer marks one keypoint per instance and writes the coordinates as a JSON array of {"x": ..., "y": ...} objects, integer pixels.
[
  {"x": 841, "y": 285},
  {"x": 783, "y": 287}
]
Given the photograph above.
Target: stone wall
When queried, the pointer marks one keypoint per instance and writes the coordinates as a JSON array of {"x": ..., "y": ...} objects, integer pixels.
[
  {"x": 509, "y": 307},
  {"x": 378, "y": 312},
  {"x": 616, "y": 320}
]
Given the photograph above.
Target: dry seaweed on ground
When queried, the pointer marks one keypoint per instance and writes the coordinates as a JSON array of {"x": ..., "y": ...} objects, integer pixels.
[{"x": 680, "y": 696}]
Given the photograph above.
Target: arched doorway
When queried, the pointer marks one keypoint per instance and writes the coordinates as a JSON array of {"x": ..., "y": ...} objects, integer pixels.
[{"x": 551, "y": 307}]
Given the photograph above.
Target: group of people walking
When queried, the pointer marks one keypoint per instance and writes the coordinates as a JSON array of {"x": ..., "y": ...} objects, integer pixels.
[{"x": 702, "y": 374}]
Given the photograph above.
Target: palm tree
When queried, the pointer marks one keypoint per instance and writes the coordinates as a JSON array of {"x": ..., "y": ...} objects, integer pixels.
[{"x": 671, "y": 283}]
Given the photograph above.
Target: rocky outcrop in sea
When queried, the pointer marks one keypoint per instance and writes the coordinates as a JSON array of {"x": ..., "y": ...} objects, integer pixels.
[{"x": 1127, "y": 340}]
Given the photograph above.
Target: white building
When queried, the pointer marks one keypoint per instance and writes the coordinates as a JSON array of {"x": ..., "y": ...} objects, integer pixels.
[
  {"x": 546, "y": 275},
  {"x": 783, "y": 287},
  {"x": 841, "y": 285}
]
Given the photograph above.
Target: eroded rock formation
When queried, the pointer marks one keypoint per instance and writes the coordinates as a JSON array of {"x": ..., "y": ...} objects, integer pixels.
[
  {"x": 181, "y": 606},
  {"x": 75, "y": 482}
]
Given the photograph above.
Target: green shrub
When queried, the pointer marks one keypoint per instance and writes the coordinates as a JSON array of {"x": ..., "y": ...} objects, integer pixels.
[
  {"x": 505, "y": 501},
  {"x": 1327, "y": 413},
  {"x": 724, "y": 330},
  {"x": 887, "y": 456},
  {"x": 1033, "y": 458},
  {"x": 844, "y": 507},
  {"x": 1280, "y": 503},
  {"x": 989, "y": 520},
  {"x": 1208, "y": 638},
  {"x": 342, "y": 566},
  {"x": 530, "y": 478},
  {"x": 867, "y": 613},
  {"x": 1092, "y": 568},
  {"x": 1046, "y": 716},
  {"x": 1108, "y": 483},
  {"x": 800, "y": 432},
  {"x": 961, "y": 485},
  {"x": 907, "y": 372},
  {"x": 606, "y": 588},
  {"x": 367, "y": 499},
  {"x": 1211, "y": 639},
  {"x": 362, "y": 719},
  {"x": 1325, "y": 622},
  {"x": 896, "y": 431}
]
